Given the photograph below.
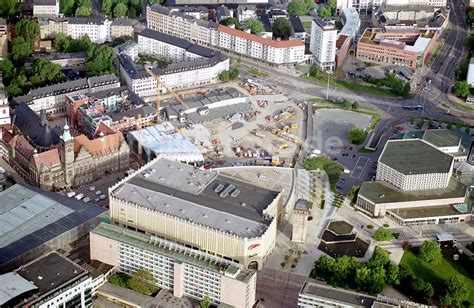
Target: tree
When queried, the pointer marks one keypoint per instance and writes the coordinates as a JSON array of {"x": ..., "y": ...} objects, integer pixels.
[
  {"x": 205, "y": 302},
  {"x": 142, "y": 281},
  {"x": 14, "y": 90},
  {"x": 19, "y": 85},
  {"x": 297, "y": 7},
  {"x": 99, "y": 60},
  {"x": 356, "y": 135},
  {"x": 107, "y": 7},
  {"x": 46, "y": 72},
  {"x": 324, "y": 267},
  {"x": 7, "y": 69},
  {"x": 461, "y": 88},
  {"x": 421, "y": 287},
  {"x": 255, "y": 26},
  {"x": 324, "y": 12},
  {"x": 383, "y": 234},
  {"x": 62, "y": 43},
  {"x": 456, "y": 291},
  {"x": 379, "y": 258},
  {"x": 346, "y": 104},
  {"x": 430, "y": 252},
  {"x": 281, "y": 28},
  {"x": 406, "y": 89},
  {"x": 393, "y": 275},
  {"x": 331, "y": 4},
  {"x": 9, "y": 7},
  {"x": 234, "y": 73},
  {"x": 21, "y": 49},
  {"x": 82, "y": 44},
  {"x": 355, "y": 105},
  {"x": 344, "y": 269},
  {"x": 230, "y": 21},
  {"x": 314, "y": 71},
  {"x": 28, "y": 29},
  {"x": 370, "y": 280},
  {"x": 83, "y": 11},
  {"x": 224, "y": 75},
  {"x": 67, "y": 6},
  {"x": 120, "y": 10}
]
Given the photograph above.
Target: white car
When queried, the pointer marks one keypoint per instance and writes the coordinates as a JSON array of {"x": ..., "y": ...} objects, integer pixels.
[
  {"x": 71, "y": 194},
  {"x": 102, "y": 197},
  {"x": 86, "y": 200},
  {"x": 92, "y": 188},
  {"x": 98, "y": 193},
  {"x": 79, "y": 196}
]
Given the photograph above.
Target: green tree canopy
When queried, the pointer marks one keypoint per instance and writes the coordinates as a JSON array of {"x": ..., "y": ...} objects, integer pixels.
[
  {"x": 234, "y": 73},
  {"x": 100, "y": 60},
  {"x": 67, "y": 7},
  {"x": 430, "y": 252},
  {"x": 205, "y": 302},
  {"x": 19, "y": 85},
  {"x": 120, "y": 10},
  {"x": 393, "y": 275},
  {"x": 7, "y": 69},
  {"x": 83, "y": 11},
  {"x": 324, "y": 12},
  {"x": 46, "y": 72},
  {"x": 9, "y": 8},
  {"x": 356, "y": 135},
  {"x": 422, "y": 288},
  {"x": 383, "y": 234},
  {"x": 370, "y": 280},
  {"x": 224, "y": 75},
  {"x": 461, "y": 88},
  {"x": 28, "y": 29},
  {"x": 456, "y": 291},
  {"x": 21, "y": 49},
  {"x": 82, "y": 44},
  {"x": 230, "y": 21},
  {"x": 297, "y": 7},
  {"x": 62, "y": 43},
  {"x": 107, "y": 7},
  {"x": 355, "y": 105},
  {"x": 281, "y": 28},
  {"x": 142, "y": 281},
  {"x": 379, "y": 258},
  {"x": 255, "y": 26}
]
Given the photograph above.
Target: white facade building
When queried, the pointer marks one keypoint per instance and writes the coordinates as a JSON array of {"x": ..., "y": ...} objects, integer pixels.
[
  {"x": 470, "y": 73},
  {"x": 351, "y": 21},
  {"x": 323, "y": 43},
  {"x": 4, "y": 108},
  {"x": 366, "y": 4},
  {"x": 46, "y": 8},
  {"x": 98, "y": 29}
]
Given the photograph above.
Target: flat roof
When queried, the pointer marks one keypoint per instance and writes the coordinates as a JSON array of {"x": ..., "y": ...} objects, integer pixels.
[
  {"x": 337, "y": 294},
  {"x": 441, "y": 138},
  {"x": 199, "y": 196},
  {"x": 382, "y": 192},
  {"x": 12, "y": 286},
  {"x": 30, "y": 217},
  {"x": 421, "y": 212},
  {"x": 50, "y": 272},
  {"x": 352, "y": 22},
  {"x": 420, "y": 45},
  {"x": 172, "y": 250},
  {"x": 415, "y": 157}
]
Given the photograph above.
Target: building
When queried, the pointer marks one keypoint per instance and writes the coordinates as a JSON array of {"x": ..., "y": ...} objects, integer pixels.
[
  {"x": 398, "y": 45},
  {"x": 44, "y": 221},
  {"x": 163, "y": 140},
  {"x": 318, "y": 294},
  {"x": 223, "y": 12},
  {"x": 64, "y": 59},
  {"x": 427, "y": 17},
  {"x": 122, "y": 27},
  {"x": 245, "y": 12},
  {"x": 366, "y": 5},
  {"x": 4, "y": 108},
  {"x": 351, "y": 23},
  {"x": 217, "y": 2},
  {"x": 470, "y": 73},
  {"x": 323, "y": 43},
  {"x": 51, "y": 280},
  {"x": 343, "y": 49},
  {"x": 50, "y": 27},
  {"x": 98, "y": 29},
  {"x": 203, "y": 210},
  {"x": 185, "y": 271},
  {"x": 227, "y": 38},
  {"x": 119, "y": 109},
  {"x": 46, "y": 8},
  {"x": 52, "y": 98},
  {"x": 414, "y": 184},
  {"x": 300, "y": 221},
  {"x": 3, "y": 39}
]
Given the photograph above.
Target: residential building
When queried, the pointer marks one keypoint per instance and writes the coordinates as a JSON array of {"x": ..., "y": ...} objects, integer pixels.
[
  {"x": 217, "y": 2},
  {"x": 470, "y": 73},
  {"x": 4, "y": 107},
  {"x": 122, "y": 27},
  {"x": 343, "y": 49},
  {"x": 98, "y": 29},
  {"x": 203, "y": 210},
  {"x": 397, "y": 45},
  {"x": 245, "y": 12},
  {"x": 427, "y": 17},
  {"x": 223, "y": 37},
  {"x": 414, "y": 183},
  {"x": 49, "y": 221},
  {"x": 51, "y": 280},
  {"x": 323, "y": 43},
  {"x": 50, "y": 27},
  {"x": 365, "y": 5},
  {"x": 46, "y": 8},
  {"x": 164, "y": 140},
  {"x": 223, "y": 12},
  {"x": 52, "y": 98},
  {"x": 184, "y": 270},
  {"x": 3, "y": 39}
]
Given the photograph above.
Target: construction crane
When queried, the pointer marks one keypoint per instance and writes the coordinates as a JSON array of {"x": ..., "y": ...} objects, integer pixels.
[{"x": 168, "y": 89}]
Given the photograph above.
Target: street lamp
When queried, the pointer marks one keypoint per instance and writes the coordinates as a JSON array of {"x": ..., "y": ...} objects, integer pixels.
[{"x": 329, "y": 72}]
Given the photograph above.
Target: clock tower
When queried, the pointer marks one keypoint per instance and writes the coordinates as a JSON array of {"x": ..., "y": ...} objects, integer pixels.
[{"x": 67, "y": 143}]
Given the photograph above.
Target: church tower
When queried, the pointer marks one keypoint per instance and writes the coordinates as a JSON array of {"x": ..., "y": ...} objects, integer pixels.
[{"x": 67, "y": 149}]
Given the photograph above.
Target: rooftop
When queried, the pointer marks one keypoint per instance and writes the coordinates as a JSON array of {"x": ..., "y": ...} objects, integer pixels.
[
  {"x": 415, "y": 157},
  {"x": 382, "y": 192},
  {"x": 441, "y": 138},
  {"x": 45, "y": 2},
  {"x": 13, "y": 286},
  {"x": 419, "y": 212},
  {"x": 351, "y": 23},
  {"x": 261, "y": 40},
  {"x": 326, "y": 24},
  {"x": 173, "y": 250},
  {"x": 338, "y": 295},
  {"x": 203, "y": 197},
  {"x": 30, "y": 217},
  {"x": 123, "y": 22},
  {"x": 51, "y": 272}
]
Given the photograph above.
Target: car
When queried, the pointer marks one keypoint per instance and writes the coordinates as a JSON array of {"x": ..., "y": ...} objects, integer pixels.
[
  {"x": 98, "y": 192},
  {"x": 86, "y": 200},
  {"x": 102, "y": 197},
  {"x": 79, "y": 196},
  {"x": 71, "y": 194},
  {"x": 92, "y": 188},
  {"x": 96, "y": 200}
]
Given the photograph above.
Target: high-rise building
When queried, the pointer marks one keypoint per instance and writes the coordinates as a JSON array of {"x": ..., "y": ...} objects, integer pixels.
[{"x": 323, "y": 43}]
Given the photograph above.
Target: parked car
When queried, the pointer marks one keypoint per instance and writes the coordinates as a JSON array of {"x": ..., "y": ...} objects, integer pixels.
[
  {"x": 102, "y": 197},
  {"x": 98, "y": 193},
  {"x": 79, "y": 196},
  {"x": 71, "y": 194},
  {"x": 86, "y": 200},
  {"x": 92, "y": 188}
]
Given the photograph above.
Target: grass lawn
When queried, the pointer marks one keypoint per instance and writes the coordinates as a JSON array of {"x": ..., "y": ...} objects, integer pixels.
[
  {"x": 258, "y": 73},
  {"x": 353, "y": 86},
  {"x": 437, "y": 273},
  {"x": 306, "y": 24}
]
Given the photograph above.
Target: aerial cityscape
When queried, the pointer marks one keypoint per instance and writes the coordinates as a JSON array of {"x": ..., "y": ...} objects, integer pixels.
[{"x": 236, "y": 153}]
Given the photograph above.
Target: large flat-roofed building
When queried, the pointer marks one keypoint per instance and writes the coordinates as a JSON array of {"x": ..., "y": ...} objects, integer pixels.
[
  {"x": 397, "y": 45},
  {"x": 34, "y": 221},
  {"x": 45, "y": 8},
  {"x": 185, "y": 271},
  {"x": 414, "y": 165},
  {"x": 204, "y": 210}
]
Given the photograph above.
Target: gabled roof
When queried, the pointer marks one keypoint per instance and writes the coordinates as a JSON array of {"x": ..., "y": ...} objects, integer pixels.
[
  {"x": 48, "y": 159},
  {"x": 21, "y": 145},
  {"x": 102, "y": 128},
  {"x": 99, "y": 146}
]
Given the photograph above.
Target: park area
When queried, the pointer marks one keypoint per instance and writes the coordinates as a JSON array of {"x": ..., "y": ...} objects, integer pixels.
[{"x": 438, "y": 273}]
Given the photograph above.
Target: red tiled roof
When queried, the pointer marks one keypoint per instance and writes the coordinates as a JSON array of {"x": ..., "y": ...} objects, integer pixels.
[
  {"x": 49, "y": 158},
  {"x": 259, "y": 39},
  {"x": 99, "y": 146},
  {"x": 102, "y": 128}
]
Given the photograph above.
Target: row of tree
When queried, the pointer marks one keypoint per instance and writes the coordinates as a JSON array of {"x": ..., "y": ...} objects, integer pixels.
[
  {"x": 78, "y": 8},
  {"x": 397, "y": 86},
  {"x": 461, "y": 88},
  {"x": 301, "y": 7},
  {"x": 328, "y": 10},
  {"x": 122, "y": 8},
  {"x": 9, "y": 8}
]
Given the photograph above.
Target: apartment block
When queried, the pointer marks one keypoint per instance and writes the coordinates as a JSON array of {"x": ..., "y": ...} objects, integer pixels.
[
  {"x": 46, "y": 8},
  {"x": 323, "y": 43}
]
